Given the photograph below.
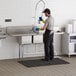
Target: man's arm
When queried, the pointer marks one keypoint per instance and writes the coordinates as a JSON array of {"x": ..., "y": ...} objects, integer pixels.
[{"x": 44, "y": 27}]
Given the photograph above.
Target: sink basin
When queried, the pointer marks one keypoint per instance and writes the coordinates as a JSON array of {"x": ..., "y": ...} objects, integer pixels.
[
  {"x": 19, "y": 30},
  {"x": 2, "y": 33}
]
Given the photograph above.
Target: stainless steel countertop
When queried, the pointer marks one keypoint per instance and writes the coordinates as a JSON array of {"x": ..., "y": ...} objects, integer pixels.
[{"x": 30, "y": 34}]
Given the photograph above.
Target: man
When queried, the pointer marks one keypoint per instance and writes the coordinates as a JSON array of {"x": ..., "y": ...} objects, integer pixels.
[{"x": 48, "y": 35}]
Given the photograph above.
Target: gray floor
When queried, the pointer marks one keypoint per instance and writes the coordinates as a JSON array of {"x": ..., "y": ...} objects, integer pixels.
[{"x": 13, "y": 68}]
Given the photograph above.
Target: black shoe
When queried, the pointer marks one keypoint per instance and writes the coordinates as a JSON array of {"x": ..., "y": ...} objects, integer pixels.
[{"x": 51, "y": 58}]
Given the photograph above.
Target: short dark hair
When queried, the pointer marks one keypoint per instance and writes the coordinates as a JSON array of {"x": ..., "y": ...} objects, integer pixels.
[{"x": 46, "y": 11}]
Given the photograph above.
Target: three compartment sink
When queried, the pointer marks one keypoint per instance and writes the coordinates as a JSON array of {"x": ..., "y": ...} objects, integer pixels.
[{"x": 21, "y": 30}]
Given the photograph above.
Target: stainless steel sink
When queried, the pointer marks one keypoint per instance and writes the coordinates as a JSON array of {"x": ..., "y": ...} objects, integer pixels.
[
  {"x": 2, "y": 33},
  {"x": 19, "y": 30}
]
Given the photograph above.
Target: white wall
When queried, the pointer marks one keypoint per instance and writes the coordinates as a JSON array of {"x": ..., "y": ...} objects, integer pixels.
[
  {"x": 62, "y": 10},
  {"x": 22, "y": 12}
]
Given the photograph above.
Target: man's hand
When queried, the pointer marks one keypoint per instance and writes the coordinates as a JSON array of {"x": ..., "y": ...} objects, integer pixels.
[
  {"x": 40, "y": 19},
  {"x": 43, "y": 21},
  {"x": 41, "y": 28}
]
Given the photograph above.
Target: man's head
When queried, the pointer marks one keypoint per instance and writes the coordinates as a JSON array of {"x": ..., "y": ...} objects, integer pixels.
[{"x": 47, "y": 12}]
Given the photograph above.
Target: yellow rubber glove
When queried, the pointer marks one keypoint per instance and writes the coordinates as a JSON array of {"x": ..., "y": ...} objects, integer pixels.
[
  {"x": 41, "y": 28},
  {"x": 43, "y": 21}
]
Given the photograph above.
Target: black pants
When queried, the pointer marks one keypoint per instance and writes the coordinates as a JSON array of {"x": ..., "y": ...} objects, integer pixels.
[{"x": 48, "y": 44}]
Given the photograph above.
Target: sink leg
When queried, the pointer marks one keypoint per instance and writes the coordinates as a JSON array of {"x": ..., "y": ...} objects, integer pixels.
[
  {"x": 19, "y": 51},
  {"x": 22, "y": 51},
  {"x": 69, "y": 56}
]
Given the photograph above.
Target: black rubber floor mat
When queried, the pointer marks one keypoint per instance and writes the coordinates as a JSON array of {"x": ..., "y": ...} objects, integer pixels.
[{"x": 38, "y": 62}]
